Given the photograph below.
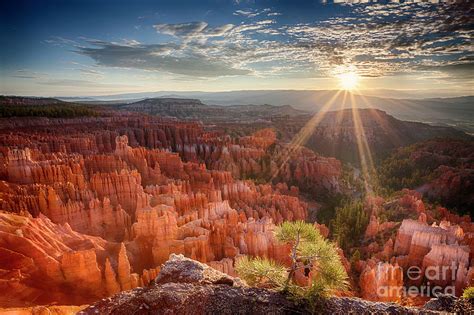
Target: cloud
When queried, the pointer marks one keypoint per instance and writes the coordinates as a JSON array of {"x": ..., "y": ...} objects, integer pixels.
[
  {"x": 192, "y": 29},
  {"x": 251, "y": 13},
  {"x": 171, "y": 58},
  {"x": 462, "y": 71},
  {"x": 28, "y": 74},
  {"x": 391, "y": 39},
  {"x": 91, "y": 73},
  {"x": 247, "y": 13},
  {"x": 81, "y": 83},
  {"x": 130, "y": 42},
  {"x": 376, "y": 40},
  {"x": 60, "y": 41}
]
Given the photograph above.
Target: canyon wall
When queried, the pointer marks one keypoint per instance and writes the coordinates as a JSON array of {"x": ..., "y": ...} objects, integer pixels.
[{"x": 98, "y": 206}]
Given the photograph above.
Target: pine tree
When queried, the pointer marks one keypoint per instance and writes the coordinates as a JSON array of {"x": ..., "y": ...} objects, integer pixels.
[
  {"x": 349, "y": 224},
  {"x": 309, "y": 251}
]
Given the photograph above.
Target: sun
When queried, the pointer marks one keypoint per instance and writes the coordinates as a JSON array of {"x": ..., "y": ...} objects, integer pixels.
[{"x": 348, "y": 80}]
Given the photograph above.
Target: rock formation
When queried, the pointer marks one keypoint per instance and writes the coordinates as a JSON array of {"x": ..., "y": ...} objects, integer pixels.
[
  {"x": 97, "y": 208},
  {"x": 438, "y": 254},
  {"x": 382, "y": 282},
  {"x": 185, "y": 286}
]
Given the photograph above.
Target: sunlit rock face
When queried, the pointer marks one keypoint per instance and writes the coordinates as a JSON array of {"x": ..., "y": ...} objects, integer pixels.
[
  {"x": 381, "y": 282},
  {"x": 97, "y": 207},
  {"x": 43, "y": 262},
  {"x": 436, "y": 247}
]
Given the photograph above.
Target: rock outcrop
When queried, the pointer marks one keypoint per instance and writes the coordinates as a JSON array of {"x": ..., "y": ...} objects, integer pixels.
[{"x": 185, "y": 286}]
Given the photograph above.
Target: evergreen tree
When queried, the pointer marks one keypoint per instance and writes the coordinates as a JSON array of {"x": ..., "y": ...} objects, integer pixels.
[
  {"x": 349, "y": 224},
  {"x": 309, "y": 252}
]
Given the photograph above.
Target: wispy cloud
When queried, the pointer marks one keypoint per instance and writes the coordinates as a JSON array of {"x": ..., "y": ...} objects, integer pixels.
[
  {"x": 247, "y": 13},
  {"x": 28, "y": 74},
  {"x": 96, "y": 74},
  {"x": 251, "y": 13},
  {"x": 159, "y": 57},
  {"x": 60, "y": 41},
  {"x": 82, "y": 83},
  {"x": 192, "y": 29},
  {"x": 376, "y": 40}
]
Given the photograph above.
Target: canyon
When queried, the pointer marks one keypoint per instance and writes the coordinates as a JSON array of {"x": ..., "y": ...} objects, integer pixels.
[
  {"x": 336, "y": 134},
  {"x": 97, "y": 208},
  {"x": 92, "y": 206}
]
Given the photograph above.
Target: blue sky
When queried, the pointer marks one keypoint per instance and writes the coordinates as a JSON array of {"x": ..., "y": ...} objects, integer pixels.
[{"x": 66, "y": 48}]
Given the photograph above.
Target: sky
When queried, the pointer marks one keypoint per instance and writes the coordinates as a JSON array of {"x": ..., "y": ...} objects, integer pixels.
[{"x": 84, "y": 48}]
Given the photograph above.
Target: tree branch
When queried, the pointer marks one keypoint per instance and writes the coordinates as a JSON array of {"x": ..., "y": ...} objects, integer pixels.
[{"x": 293, "y": 262}]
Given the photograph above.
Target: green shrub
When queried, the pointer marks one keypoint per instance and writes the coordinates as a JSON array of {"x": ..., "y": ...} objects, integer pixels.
[
  {"x": 261, "y": 272},
  {"x": 468, "y": 293},
  {"x": 309, "y": 250}
]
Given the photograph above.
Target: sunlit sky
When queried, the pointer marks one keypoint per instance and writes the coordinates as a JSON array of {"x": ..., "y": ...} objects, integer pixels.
[{"x": 79, "y": 48}]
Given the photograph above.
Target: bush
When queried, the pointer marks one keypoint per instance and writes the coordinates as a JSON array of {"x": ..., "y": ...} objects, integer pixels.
[
  {"x": 309, "y": 251},
  {"x": 468, "y": 293},
  {"x": 261, "y": 272}
]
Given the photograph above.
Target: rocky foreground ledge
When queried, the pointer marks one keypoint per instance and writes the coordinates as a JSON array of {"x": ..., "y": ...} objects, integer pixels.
[{"x": 185, "y": 286}]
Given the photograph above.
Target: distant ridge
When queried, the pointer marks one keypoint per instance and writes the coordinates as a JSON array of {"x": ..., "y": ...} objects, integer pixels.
[
  {"x": 453, "y": 111},
  {"x": 187, "y": 108},
  {"x": 28, "y": 100},
  {"x": 339, "y": 132}
]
